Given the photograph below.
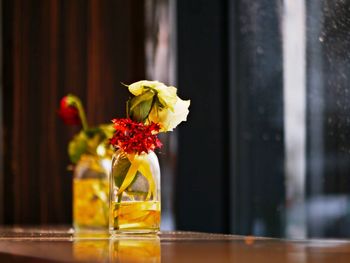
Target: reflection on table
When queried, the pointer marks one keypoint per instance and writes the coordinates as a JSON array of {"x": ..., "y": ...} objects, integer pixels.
[
  {"x": 40, "y": 244},
  {"x": 125, "y": 249}
]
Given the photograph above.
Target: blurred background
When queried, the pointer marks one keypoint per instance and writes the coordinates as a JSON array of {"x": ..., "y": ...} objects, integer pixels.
[{"x": 266, "y": 149}]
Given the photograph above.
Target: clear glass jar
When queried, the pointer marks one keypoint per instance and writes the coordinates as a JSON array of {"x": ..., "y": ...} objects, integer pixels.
[
  {"x": 134, "y": 194},
  {"x": 90, "y": 193}
]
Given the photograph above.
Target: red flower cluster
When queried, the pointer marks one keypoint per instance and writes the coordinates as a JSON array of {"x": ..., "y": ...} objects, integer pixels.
[
  {"x": 135, "y": 137},
  {"x": 69, "y": 114}
]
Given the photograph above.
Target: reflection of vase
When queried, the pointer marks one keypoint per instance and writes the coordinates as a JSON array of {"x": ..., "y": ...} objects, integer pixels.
[
  {"x": 90, "y": 193},
  {"x": 135, "y": 250},
  {"x": 91, "y": 250},
  {"x": 134, "y": 193}
]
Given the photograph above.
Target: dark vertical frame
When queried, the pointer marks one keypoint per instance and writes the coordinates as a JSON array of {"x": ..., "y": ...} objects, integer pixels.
[
  {"x": 231, "y": 152},
  {"x": 315, "y": 97},
  {"x": 328, "y": 136},
  {"x": 256, "y": 100},
  {"x": 202, "y": 199},
  {"x": 315, "y": 150}
]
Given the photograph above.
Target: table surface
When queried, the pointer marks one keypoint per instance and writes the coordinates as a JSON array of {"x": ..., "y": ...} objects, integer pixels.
[{"x": 61, "y": 244}]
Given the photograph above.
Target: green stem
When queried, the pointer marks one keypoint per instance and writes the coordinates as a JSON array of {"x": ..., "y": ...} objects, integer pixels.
[
  {"x": 117, "y": 206},
  {"x": 74, "y": 100},
  {"x": 82, "y": 115},
  {"x": 127, "y": 109},
  {"x": 103, "y": 200}
]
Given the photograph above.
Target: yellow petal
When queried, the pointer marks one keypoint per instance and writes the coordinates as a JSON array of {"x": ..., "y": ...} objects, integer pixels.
[
  {"x": 167, "y": 95},
  {"x": 135, "y": 164},
  {"x": 139, "y": 87},
  {"x": 145, "y": 170},
  {"x": 169, "y": 119}
]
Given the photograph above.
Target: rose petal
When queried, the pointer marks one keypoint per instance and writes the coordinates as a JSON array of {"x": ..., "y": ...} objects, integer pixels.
[{"x": 169, "y": 119}]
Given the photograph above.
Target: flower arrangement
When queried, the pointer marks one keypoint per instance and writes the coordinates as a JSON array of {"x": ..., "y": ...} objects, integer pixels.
[
  {"x": 90, "y": 140},
  {"x": 135, "y": 177},
  {"x": 154, "y": 108},
  {"x": 90, "y": 153}
]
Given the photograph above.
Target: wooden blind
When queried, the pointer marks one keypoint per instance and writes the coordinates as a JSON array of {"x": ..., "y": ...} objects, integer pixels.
[{"x": 52, "y": 48}]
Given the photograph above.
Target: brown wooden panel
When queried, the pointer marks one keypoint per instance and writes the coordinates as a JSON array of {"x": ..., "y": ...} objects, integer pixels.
[{"x": 52, "y": 48}]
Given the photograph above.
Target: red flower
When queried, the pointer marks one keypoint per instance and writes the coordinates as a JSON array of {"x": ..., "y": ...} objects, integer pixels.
[
  {"x": 68, "y": 113},
  {"x": 135, "y": 137}
]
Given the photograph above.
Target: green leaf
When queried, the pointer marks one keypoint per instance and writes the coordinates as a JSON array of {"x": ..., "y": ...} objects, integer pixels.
[
  {"x": 120, "y": 170},
  {"x": 77, "y": 146},
  {"x": 148, "y": 95},
  {"x": 87, "y": 141},
  {"x": 107, "y": 129},
  {"x": 140, "y": 106},
  {"x": 129, "y": 177}
]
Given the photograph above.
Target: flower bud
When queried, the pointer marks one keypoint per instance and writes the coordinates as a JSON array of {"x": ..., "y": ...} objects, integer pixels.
[{"x": 68, "y": 112}]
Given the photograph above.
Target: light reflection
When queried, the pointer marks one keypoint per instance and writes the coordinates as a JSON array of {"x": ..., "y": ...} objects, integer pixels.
[
  {"x": 91, "y": 250},
  {"x": 135, "y": 249},
  {"x": 98, "y": 247}
]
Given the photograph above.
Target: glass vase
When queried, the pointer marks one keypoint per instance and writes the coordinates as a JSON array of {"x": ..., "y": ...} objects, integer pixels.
[
  {"x": 134, "y": 194},
  {"x": 90, "y": 193}
]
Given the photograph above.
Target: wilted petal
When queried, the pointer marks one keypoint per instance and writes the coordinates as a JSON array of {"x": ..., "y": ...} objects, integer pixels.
[
  {"x": 169, "y": 119},
  {"x": 167, "y": 95},
  {"x": 139, "y": 87}
]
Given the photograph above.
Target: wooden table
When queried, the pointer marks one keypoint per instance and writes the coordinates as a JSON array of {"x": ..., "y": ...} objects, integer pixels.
[{"x": 60, "y": 244}]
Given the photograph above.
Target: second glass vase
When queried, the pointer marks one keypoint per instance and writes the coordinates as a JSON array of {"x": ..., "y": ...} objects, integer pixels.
[{"x": 90, "y": 193}]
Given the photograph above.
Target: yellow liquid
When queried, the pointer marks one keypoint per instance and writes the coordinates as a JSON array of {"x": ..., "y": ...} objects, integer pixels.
[
  {"x": 136, "y": 216},
  {"x": 90, "y": 203},
  {"x": 129, "y": 250}
]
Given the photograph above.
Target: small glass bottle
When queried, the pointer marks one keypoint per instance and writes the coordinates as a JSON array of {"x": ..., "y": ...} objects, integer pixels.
[
  {"x": 90, "y": 193},
  {"x": 134, "y": 194}
]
